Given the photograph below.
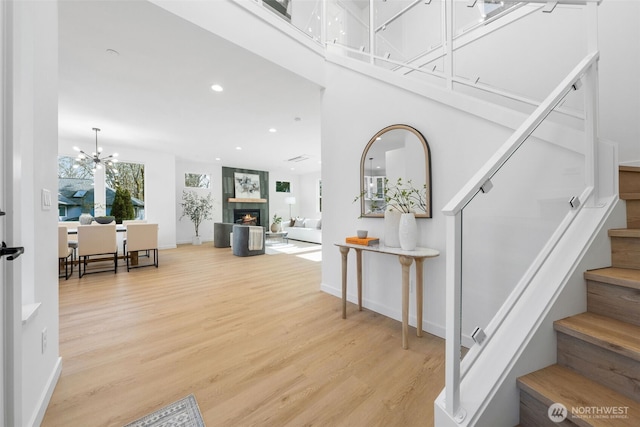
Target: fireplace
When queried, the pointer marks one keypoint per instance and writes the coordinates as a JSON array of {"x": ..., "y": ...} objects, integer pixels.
[{"x": 246, "y": 216}]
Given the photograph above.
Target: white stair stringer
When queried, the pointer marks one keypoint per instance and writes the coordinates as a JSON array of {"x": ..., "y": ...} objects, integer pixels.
[{"x": 525, "y": 341}]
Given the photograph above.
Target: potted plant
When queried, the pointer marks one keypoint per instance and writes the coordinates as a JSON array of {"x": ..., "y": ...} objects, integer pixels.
[
  {"x": 404, "y": 198},
  {"x": 197, "y": 208},
  {"x": 401, "y": 199},
  {"x": 122, "y": 207},
  {"x": 277, "y": 221}
]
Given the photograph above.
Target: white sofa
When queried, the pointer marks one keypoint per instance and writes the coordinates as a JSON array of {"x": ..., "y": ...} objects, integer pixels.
[{"x": 304, "y": 229}]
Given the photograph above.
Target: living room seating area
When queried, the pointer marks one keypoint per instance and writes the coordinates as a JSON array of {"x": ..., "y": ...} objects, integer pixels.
[{"x": 304, "y": 229}]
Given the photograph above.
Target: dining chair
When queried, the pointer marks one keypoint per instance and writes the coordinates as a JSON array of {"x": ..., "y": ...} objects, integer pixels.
[
  {"x": 141, "y": 237},
  {"x": 126, "y": 222},
  {"x": 72, "y": 241},
  {"x": 96, "y": 240},
  {"x": 65, "y": 253}
]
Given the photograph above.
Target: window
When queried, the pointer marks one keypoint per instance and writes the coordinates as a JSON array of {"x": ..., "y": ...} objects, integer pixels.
[{"x": 76, "y": 184}]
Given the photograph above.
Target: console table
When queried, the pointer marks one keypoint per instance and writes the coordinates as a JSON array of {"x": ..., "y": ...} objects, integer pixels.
[{"x": 406, "y": 258}]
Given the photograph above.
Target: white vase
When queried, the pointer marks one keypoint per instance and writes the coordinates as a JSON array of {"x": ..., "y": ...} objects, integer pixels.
[
  {"x": 391, "y": 228},
  {"x": 195, "y": 240},
  {"x": 85, "y": 219},
  {"x": 408, "y": 232}
]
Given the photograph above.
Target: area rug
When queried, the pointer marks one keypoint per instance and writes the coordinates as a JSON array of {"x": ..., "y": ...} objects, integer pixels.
[
  {"x": 294, "y": 247},
  {"x": 183, "y": 413}
]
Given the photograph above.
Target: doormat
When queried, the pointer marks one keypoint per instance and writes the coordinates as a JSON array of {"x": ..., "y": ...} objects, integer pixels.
[{"x": 183, "y": 413}]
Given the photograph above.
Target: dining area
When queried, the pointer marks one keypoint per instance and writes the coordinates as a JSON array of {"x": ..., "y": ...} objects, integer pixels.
[{"x": 98, "y": 248}]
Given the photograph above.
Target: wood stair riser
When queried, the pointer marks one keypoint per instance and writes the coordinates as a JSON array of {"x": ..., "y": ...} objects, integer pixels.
[
  {"x": 534, "y": 413},
  {"x": 618, "y": 302},
  {"x": 629, "y": 181},
  {"x": 625, "y": 252},
  {"x": 633, "y": 213},
  {"x": 606, "y": 367}
]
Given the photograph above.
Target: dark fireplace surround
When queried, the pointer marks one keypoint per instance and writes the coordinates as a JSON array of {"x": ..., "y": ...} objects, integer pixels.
[{"x": 235, "y": 209}]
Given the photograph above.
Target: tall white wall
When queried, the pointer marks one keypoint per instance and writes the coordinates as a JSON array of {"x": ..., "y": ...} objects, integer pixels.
[
  {"x": 309, "y": 204},
  {"x": 277, "y": 205},
  {"x": 619, "y": 40},
  {"x": 184, "y": 227},
  {"x": 354, "y": 109}
]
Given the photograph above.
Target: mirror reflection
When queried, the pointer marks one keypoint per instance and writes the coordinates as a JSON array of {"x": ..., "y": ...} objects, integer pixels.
[{"x": 395, "y": 152}]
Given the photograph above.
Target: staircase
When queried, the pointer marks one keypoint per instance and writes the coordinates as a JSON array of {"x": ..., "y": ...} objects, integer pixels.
[{"x": 597, "y": 374}]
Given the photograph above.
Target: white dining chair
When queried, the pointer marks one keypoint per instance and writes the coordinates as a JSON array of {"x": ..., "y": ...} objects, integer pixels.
[
  {"x": 65, "y": 253},
  {"x": 72, "y": 240},
  {"x": 97, "y": 240},
  {"x": 141, "y": 237}
]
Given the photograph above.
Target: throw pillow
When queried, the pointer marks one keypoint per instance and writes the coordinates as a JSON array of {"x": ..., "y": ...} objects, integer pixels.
[{"x": 299, "y": 222}]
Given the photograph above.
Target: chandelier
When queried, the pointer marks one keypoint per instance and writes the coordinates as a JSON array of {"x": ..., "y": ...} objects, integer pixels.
[{"x": 94, "y": 160}]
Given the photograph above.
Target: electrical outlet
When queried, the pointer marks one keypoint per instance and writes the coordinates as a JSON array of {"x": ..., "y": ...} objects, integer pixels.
[{"x": 44, "y": 340}]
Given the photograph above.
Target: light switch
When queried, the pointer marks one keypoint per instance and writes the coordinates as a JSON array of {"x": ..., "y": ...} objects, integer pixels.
[{"x": 46, "y": 199}]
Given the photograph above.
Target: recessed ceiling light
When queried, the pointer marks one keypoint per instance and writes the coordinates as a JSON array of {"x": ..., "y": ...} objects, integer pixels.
[
  {"x": 218, "y": 159},
  {"x": 238, "y": 148},
  {"x": 216, "y": 88},
  {"x": 273, "y": 130},
  {"x": 112, "y": 52}
]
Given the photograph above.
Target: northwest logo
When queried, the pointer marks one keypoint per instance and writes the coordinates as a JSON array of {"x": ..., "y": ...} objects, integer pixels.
[{"x": 557, "y": 412}]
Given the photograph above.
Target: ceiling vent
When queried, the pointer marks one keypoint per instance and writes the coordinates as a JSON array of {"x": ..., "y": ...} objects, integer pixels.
[{"x": 297, "y": 159}]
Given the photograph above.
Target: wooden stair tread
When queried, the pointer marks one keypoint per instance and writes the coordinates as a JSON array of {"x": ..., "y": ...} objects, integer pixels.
[
  {"x": 628, "y": 168},
  {"x": 629, "y": 196},
  {"x": 557, "y": 384},
  {"x": 611, "y": 334},
  {"x": 624, "y": 232},
  {"x": 627, "y": 277}
]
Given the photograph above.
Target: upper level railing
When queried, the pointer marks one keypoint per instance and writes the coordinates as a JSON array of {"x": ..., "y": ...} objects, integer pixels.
[{"x": 462, "y": 45}]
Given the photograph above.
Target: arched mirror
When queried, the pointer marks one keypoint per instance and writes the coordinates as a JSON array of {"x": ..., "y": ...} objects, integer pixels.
[{"x": 396, "y": 152}]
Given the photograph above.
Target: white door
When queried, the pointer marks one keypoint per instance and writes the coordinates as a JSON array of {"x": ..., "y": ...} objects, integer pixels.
[
  {"x": 3, "y": 389},
  {"x": 10, "y": 305}
]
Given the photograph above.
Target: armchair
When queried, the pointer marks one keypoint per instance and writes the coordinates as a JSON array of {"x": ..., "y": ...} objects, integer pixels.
[{"x": 248, "y": 240}]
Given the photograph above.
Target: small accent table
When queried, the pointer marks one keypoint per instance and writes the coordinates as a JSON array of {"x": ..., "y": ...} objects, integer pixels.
[
  {"x": 406, "y": 259},
  {"x": 282, "y": 235}
]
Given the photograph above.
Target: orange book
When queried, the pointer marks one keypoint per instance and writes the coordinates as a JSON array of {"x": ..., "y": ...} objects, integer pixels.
[{"x": 367, "y": 241}]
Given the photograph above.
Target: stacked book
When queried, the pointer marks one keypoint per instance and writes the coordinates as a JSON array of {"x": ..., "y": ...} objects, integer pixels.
[{"x": 367, "y": 241}]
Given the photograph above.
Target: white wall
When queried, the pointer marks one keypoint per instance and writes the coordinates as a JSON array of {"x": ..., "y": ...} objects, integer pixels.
[
  {"x": 276, "y": 200},
  {"x": 309, "y": 206},
  {"x": 619, "y": 68},
  {"x": 184, "y": 227},
  {"x": 354, "y": 109}
]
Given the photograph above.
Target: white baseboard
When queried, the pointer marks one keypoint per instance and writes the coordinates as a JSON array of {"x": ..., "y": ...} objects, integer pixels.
[
  {"x": 395, "y": 314},
  {"x": 44, "y": 400}
]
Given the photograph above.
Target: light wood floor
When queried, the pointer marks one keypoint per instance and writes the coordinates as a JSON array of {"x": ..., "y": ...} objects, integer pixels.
[{"x": 254, "y": 339}]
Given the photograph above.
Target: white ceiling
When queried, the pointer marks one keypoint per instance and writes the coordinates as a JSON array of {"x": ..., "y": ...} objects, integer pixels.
[{"x": 155, "y": 94}]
